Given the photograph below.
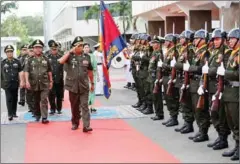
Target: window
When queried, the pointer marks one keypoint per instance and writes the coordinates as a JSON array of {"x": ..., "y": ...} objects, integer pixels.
[{"x": 81, "y": 11}]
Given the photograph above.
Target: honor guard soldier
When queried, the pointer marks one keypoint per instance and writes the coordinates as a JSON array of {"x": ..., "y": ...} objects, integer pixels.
[
  {"x": 21, "y": 58},
  {"x": 231, "y": 90},
  {"x": 29, "y": 92},
  {"x": 197, "y": 68},
  {"x": 38, "y": 76},
  {"x": 11, "y": 76},
  {"x": 155, "y": 77},
  {"x": 79, "y": 71},
  {"x": 219, "y": 54},
  {"x": 171, "y": 92},
  {"x": 56, "y": 93},
  {"x": 186, "y": 53}
]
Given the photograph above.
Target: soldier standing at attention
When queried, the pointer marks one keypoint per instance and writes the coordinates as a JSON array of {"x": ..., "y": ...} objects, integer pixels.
[
  {"x": 153, "y": 69},
  {"x": 196, "y": 70},
  {"x": 167, "y": 66},
  {"x": 29, "y": 93},
  {"x": 11, "y": 76},
  {"x": 38, "y": 76},
  {"x": 79, "y": 71},
  {"x": 21, "y": 58},
  {"x": 55, "y": 94},
  {"x": 231, "y": 90},
  {"x": 220, "y": 53},
  {"x": 186, "y": 54}
]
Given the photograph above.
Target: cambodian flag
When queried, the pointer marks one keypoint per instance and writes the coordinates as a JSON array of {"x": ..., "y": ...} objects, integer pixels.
[{"x": 111, "y": 43}]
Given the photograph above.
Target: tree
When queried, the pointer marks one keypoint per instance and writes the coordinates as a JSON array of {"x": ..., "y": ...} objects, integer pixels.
[
  {"x": 33, "y": 24},
  {"x": 7, "y": 6},
  {"x": 93, "y": 13}
]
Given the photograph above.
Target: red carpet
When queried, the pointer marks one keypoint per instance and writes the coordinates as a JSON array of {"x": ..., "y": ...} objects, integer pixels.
[{"x": 111, "y": 141}]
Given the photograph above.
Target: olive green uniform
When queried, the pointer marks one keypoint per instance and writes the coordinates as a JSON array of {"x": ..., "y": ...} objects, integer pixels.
[
  {"x": 202, "y": 116},
  {"x": 153, "y": 69},
  {"x": 77, "y": 83},
  {"x": 38, "y": 69},
  {"x": 22, "y": 58}
]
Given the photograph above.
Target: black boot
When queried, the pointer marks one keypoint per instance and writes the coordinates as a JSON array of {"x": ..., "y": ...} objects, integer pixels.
[
  {"x": 173, "y": 122},
  {"x": 231, "y": 152},
  {"x": 127, "y": 86},
  {"x": 235, "y": 157},
  {"x": 149, "y": 110},
  {"x": 214, "y": 143},
  {"x": 181, "y": 128},
  {"x": 157, "y": 118},
  {"x": 142, "y": 107},
  {"x": 137, "y": 105},
  {"x": 201, "y": 138},
  {"x": 222, "y": 144},
  {"x": 196, "y": 135},
  {"x": 188, "y": 129},
  {"x": 166, "y": 122}
]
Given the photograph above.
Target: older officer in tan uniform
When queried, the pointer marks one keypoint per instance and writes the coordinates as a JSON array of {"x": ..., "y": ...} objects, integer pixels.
[
  {"x": 38, "y": 75},
  {"x": 79, "y": 71}
]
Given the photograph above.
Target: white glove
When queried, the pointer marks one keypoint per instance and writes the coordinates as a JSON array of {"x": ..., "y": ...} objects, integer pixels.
[
  {"x": 205, "y": 68},
  {"x": 186, "y": 66},
  {"x": 160, "y": 63},
  {"x": 169, "y": 81},
  {"x": 220, "y": 95},
  {"x": 200, "y": 90},
  {"x": 173, "y": 62},
  {"x": 183, "y": 86},
  {"x": 141, "y": 54},
  {"x": 156, "y": 81},
  {"x": 213, "y": 97},
  {"x": 221, "y": 70}
]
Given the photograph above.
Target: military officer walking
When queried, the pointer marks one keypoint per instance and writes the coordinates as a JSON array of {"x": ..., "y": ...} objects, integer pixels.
[
  {"x": 21, "y": 58},
  {"x": 11, "y": 76},
  {"x": 55, "y": 94},
  {"x": 231, "y": 90},
  {"x": 38, "y": 76},
  {"x": 79, "y": 71}
]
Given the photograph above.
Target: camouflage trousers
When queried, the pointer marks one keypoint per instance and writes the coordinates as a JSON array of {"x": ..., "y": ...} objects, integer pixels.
[{"x": 41, "y": 103}]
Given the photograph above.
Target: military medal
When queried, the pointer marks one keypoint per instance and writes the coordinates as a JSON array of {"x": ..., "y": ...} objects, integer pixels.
[{"x": 74, "y": 60}]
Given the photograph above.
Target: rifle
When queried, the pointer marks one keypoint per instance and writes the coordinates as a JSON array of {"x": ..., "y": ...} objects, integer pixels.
[
  {"x": 201, "y": 99},
  {"x": 186, "y": 82},
  {"x": 157, "y": 84}
]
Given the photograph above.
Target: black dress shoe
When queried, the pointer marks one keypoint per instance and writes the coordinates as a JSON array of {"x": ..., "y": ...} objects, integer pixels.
[
  {"x": 181, "y": 128},
  {"x": 37, "y": 119},
  {"x": 201, "y": 138},
  {"x": 155, "y": 118},
  {"x": 21, "y": 103},
  {"x": 164, "y": 123},
  {"x": 15, "y": 116},
  {"x": 213, "y": 143},
  {"x": 235, "y": 157},
  {"x": 173, "y": 122},
  {"x": 10, "y": 118},
  {"x": 93, "y": 110},
  {"x": 230, "y": 153},
  {"x": 52, "y": 112},
  {"x": 196, "y": 135},
  {"x": 137, "y": 105},
  {"x": 142, "y": 107},
  {"x": 187, "y": 129},
  {"x": 59, "y": 112},
  {"x": 222, "y": 144},
  {"x": 74, "y": 127},
  {"x": 45, "y": 121},
  {"x": 87, "y": 129}
]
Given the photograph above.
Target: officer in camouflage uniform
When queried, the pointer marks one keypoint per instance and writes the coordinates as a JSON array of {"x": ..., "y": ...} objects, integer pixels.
[
  {"x": 186, "y": 54},
  {"x": 145, "y": 55},
  {"x": 38, "y": 76},
  {"x": 135, "y": 69},
  {"x": 29, "y": 92},
  {"x": 11, "y": 70},
  {"x": 220, "y": 53},
  {"x": 79, "y": 71},
  {"x": 55, "y": 94},
  {"x": 21, "y": 58},
  {"x": 202, "y": 54},
  {"x": 167, "y": 66},
  {"x": 231, "y": 90},
  {"x": 157, "y": 56}
]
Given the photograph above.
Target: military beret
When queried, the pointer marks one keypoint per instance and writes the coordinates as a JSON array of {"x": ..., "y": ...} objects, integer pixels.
[
  {"x": 77, "y": 40},
  {"x": 8, "y": 48},
  {"x": 37, "y": 43},
  {"x": 25, "y": 46}
]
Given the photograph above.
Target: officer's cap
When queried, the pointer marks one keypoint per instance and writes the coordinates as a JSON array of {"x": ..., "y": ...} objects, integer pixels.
[
  {"x": 37, "y": 43},
  {"x": 8, "y": 48},
  {"x": 97, "y": 45},
  {"x": 50, "y": 42},
  {"x": 25, "y": 46},
  {"x": 170, "y": 38},
  {"x": 30, "y": 47},
  {"x": 53, "y": 44},
  {"x": 234, "y": 33},
  {"x": 203, "y": 34},
  {"x": 77, "y": 40}
]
